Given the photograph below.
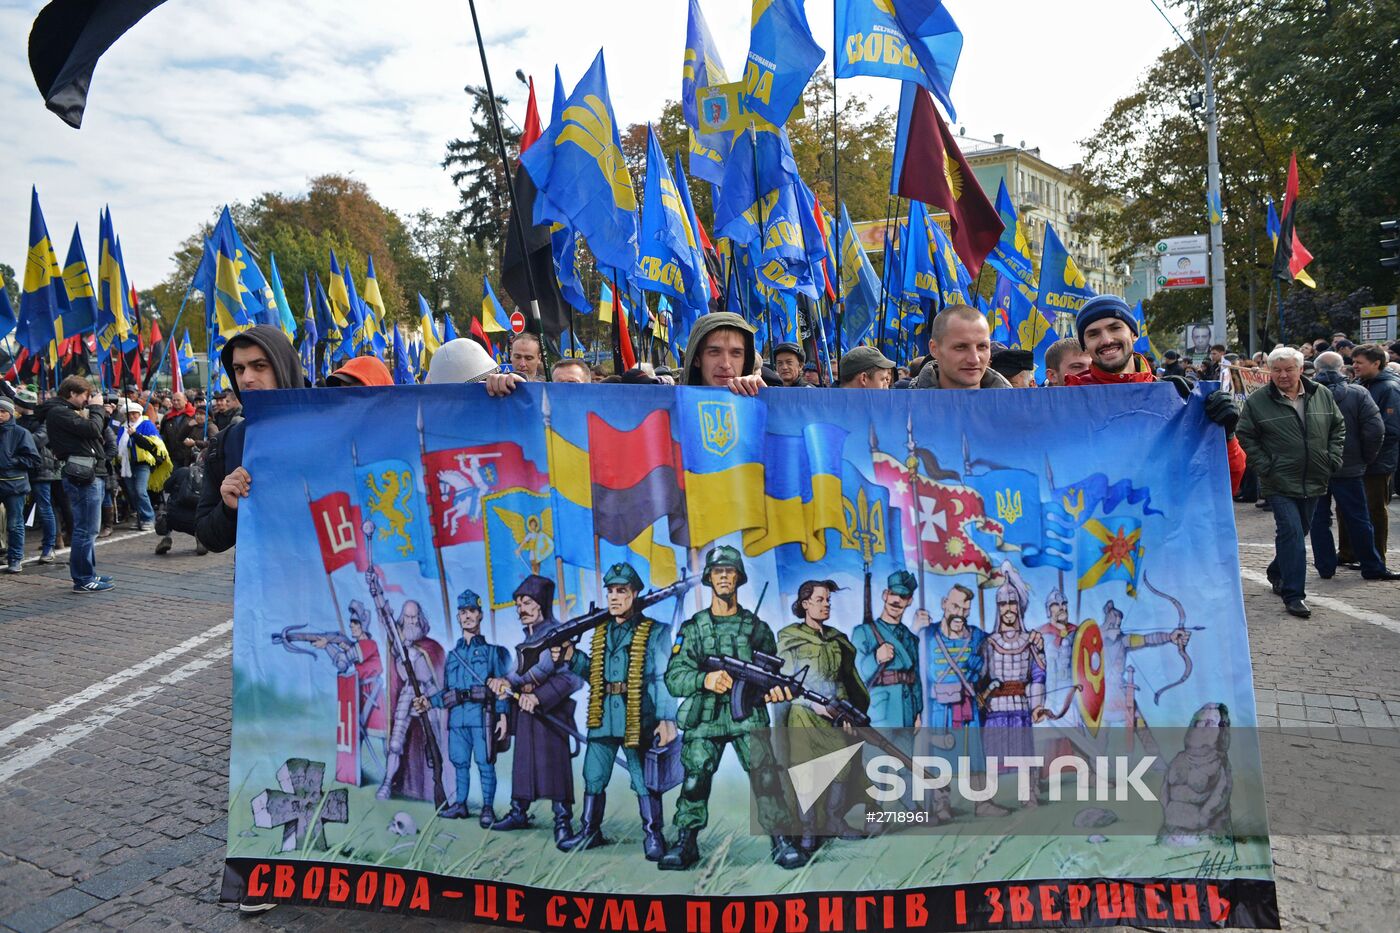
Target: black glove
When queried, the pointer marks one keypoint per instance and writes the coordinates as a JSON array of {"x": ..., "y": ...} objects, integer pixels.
[
  {"x": 1222, "y": 408},
  {"x": 1183, "y": 388}
]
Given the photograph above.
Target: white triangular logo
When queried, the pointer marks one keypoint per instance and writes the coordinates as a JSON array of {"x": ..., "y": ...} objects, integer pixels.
[{"x": 811, "y": 778}]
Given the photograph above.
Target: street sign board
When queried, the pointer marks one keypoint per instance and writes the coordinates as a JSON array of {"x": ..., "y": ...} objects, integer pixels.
[
  {"x": 1378, "y": 324},
  {"x": 517, "y": 322},
  {"x": 1183, "y": 270},
  {"x": 1183, "y": 244}
]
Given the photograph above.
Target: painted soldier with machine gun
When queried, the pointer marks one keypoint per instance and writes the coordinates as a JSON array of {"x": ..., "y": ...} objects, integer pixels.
[{"x": 629, "y": 707}]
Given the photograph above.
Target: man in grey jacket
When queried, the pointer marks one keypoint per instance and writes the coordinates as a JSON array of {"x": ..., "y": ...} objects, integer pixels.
[{"x": 1365, "y": 433}]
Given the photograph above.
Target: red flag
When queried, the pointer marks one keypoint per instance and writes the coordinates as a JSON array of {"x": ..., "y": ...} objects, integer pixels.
[
  {"x": 624, "y": 339},
  {"x": 637, "y": 478},
  {"x": 532, "y": 130},
  {"x": 1291, "y": 256},
  {"x": 827, "y": 271},
  {"x": 945, "y": 511},
  {"x": 480, "y": 334},
  {"x": 458, "y": 481},
  {"x": 340, "y": 533},
  {"x": 15, "y": 370},
  {"x": 707, "y": 249},
  {"x": 929, "y": 167}
]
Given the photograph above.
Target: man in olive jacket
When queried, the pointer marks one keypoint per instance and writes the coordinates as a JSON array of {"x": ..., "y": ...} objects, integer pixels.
[{"x": 1293, "y": 435}]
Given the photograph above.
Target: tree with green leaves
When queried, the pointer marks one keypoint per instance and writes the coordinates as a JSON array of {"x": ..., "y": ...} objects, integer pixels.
[{"x": 475, "y": 166}]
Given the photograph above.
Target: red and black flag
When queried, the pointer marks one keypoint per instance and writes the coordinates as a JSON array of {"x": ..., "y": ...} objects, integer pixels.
[
  {"x": 637, "y": 478},
  {"x": 929, "y": 167},
  {"x": 1290, "y": 255},
  {"x": 554, "y": 314},
  {"x": 67, "y": 39}
]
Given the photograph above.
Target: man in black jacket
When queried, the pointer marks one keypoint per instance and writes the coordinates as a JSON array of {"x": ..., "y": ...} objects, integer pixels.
[
  {"x": 1365, "y": 433},
  {"x": 1368, "y": 362},
  {"x": 76, "y": 429},
  {"x": 259, "y": 358}
]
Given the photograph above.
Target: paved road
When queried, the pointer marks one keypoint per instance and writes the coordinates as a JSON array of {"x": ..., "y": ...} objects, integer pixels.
[{"x": 114, "y": 728}]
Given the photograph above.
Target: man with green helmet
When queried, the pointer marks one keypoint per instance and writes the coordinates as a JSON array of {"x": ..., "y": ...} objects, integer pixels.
[
  {"x": 726, "y": 628},
  {"x": 628, "y": 705}
]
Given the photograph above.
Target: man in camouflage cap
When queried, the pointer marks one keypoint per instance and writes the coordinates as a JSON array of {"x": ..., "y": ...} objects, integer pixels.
[
  {"x": 628, "y": 707},
  {"x": 887, "y": 656},
  {"x": 726, "y": 628}
]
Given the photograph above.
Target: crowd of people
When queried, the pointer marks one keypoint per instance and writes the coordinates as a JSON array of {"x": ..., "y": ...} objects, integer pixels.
[{"x": 153, "y": 458}]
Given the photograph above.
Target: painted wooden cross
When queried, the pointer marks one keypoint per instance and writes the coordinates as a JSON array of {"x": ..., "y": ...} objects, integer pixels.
[{"x": 300, "y": 807}]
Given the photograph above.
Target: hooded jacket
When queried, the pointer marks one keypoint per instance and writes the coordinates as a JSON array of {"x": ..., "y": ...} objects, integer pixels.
[
  {"x": 1385, "y": 391},
  {"x": 707, "y": 324},
  {"x": 1365, "y": 429},
  {"x": 216, "y": 525},
  {"x": 928, "y": 378}
]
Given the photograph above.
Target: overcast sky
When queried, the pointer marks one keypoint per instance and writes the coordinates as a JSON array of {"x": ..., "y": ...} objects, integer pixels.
[{"x": 210, "y": 101}]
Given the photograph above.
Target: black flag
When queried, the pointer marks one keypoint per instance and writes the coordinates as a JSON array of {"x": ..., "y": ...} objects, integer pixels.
[
  {"x": 68, "y": 38},
  {"x": 554, "y": 315}
]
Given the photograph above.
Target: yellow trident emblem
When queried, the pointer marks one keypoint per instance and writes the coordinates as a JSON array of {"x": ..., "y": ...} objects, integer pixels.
[
  {"x": 590, "y": 128},
  {"x": 718, "y": 429},
  {"x": 1074, "y": 506},
  {"x": 1009, "y": 506},
  {"x": 864, "y": 526}
]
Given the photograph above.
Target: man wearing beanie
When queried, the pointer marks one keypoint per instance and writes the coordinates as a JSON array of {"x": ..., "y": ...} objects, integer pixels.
[
  {"x": 788, "y": 360},
  {"x": 1107, "y": 331}
]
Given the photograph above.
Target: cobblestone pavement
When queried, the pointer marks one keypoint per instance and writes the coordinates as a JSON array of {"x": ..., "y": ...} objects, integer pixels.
[{"x": 114, "y": 729}]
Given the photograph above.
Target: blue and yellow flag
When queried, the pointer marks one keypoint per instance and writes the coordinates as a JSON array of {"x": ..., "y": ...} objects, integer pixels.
[
  {"x": 1109, "y": 549},
  {"x": 8, "y": 321},
  {"x": 702, "y": 69},
  {"x": 762, "y": 163},
  {"x": 113, "y": 296},
  {"x": 185, "y": 354},
  {"x": 953, "y": 279},
  {"x": 563, "y": 239},
  {"x": 388, "y": 495},
  {"x": 722, "y": 448},
  {"x": 1213, "y": 207},
  {"x": 341, "y": 312},
  {"x": 581, "y": 173},
  {"x": 783, "y": 56},
  {"x": 330, "y": 331},
  {"x": 359, "y": 319},
  {"x": 375, "y": 319},
  {"x": 229, "y": 314},
  {"x": 1271, "y": 223},
  {"x": 40, "y": 328},
  {"x": 1012, "y": 498},
  {"x": 860, "y": 286},
  {"x": 494, "y": 319},
  {"x": 449, "y": 330},
  {"x": 1012, "y": 254},
  {"x": 403, "y": 373},
  {"x": 801, "y": 491},
  {"x": 425, "y": 324},
  {"x": 285, "y": 319},
  {"x": 670, "y": 263},
  {"x": 918, "y": 277},
  {"x": 906, "y": 40},
  {"x": 1062, "y": 286},
  {"x": 80, "y": 313},
  {"x": 254, "y": 293}
]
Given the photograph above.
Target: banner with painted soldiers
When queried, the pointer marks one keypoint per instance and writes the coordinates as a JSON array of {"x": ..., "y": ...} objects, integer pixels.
[{"x": 678, "y": 659}]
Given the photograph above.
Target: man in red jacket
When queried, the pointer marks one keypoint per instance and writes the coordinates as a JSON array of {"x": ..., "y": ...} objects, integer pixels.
[{"x": 1107, "y": 331}]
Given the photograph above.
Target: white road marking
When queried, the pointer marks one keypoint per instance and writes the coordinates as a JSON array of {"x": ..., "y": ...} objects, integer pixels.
[
  {"x": 98, "y": 543},
  {"x": 1269, "y": 547},
  {"x": 1336, "y": 605},
  {"x": 88, "y": 694},
  {"x": 47, "y": 748}
]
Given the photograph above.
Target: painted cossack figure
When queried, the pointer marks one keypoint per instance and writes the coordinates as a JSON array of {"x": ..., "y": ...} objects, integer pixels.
[
  {"x": 1014, "y": 667},
  {"x": 629, "y": 708},
  {"x": 724, "y": 629},
  {"x": 887, "y": 656},
  {"x": 830, "y": 660},
  {"x": 541, "y": 768},
  {"x": 953, "y": 664},
  {"x": 476, "y": 718},
  {"x": 408, "y": 772},
  {"x": 360, "y": 654}
]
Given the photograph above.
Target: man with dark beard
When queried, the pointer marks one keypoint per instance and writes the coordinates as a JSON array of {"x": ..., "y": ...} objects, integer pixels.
[{"x": 1107, "y": 331}]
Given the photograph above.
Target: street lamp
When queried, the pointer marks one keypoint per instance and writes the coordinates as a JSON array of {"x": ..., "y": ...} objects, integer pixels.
[{"x": 1208, "y": 58}]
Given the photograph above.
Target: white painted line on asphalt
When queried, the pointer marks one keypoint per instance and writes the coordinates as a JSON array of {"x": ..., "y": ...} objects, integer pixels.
[
  {"x": 47, "y": 748},
  {"x": 1270, "y": 547},
  {"x": 1337, "y": 605},
  {"x": 88, "y": 694},
  {"x": 98, "y": 543}
]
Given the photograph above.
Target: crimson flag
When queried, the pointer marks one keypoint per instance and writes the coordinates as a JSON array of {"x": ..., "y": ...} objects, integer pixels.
[
  {"x": 459, "y": 480},
  {"x": 340, "y": 532},
  {"x": 637, "y": 478},
  {"x": 929, "y": 167}
]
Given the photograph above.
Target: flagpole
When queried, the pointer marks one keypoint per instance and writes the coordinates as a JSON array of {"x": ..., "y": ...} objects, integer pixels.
[
  {"x": 838, "y": 306},
  {"x": 510, "y": 191},
  {"x": 335, "y": 600},
  {"x": 762, "y": 243},
  {"x": 174, "y": 330}
]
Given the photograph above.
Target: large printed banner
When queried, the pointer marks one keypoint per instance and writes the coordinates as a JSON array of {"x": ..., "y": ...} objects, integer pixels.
[{"x": 673, "y": 659}]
